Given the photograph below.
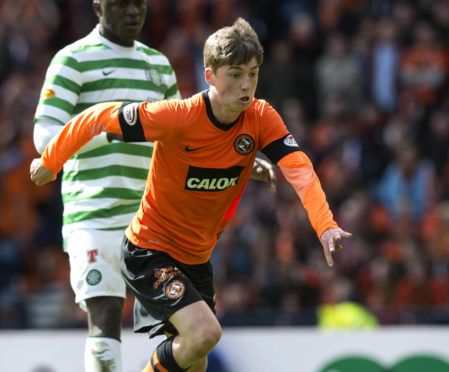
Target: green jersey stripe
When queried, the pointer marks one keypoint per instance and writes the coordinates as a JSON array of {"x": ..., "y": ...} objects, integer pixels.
[
  {"x": 121, "y": 83},
  {"x": 114, "y": 148},
  {"x": 113, "y": 228},
  {"x": 67, "y": 61},
  {"x": 123, "y": 63},
  {"x": 100, "y": 213},
  {"x": 89, "y": 48},
  {"x": 110, "y": 192},
  {"x": 63, "y": 82},
  {"x": 149, "y": 51},
  {"x": 59, "y": 103},
  {"x": 167, "y": 70},
  {"x": 48, "y": 117},
  {"x": 171, "y": 91},
  {"x": 113, "y": 170}
]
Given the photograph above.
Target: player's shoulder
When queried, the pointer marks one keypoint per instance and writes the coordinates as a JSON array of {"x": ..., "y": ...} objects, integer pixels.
[
  {"x": 80, "y": 48},
  {"x": 152, "y": 53},
  {"x": 260, "y": 108},
  {"x": 187, "y": 106}
]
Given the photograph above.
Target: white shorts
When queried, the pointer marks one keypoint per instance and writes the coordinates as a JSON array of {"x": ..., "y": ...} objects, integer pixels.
[{"x": 95, "y": 264}]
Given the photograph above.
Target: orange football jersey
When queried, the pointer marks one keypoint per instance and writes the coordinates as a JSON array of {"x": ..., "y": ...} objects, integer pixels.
[
  {"x": 199, "y": 170},
  {"x": 198, "y": 173}
]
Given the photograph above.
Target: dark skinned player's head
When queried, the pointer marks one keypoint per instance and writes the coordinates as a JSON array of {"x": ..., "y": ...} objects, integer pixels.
[{"x": 120, "y": 20}]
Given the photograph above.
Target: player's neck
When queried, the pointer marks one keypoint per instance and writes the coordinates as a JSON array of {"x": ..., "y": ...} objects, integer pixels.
[{"x": 221, "y": 110}]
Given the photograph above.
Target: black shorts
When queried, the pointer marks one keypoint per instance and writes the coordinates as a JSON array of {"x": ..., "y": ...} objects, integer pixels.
[{"x": 162, "y": 285}]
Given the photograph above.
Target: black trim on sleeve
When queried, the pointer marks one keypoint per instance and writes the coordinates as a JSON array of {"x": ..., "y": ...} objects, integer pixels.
[
  {"x": 276, "y": 150},
  {"x": 128, "y": 116}
]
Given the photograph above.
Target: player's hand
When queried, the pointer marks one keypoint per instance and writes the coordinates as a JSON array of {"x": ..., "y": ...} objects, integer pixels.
[
  {"x": 39, "y": 174},
  {"x": 264, "y": 171},
  {"x": 330, "y": 240},
  {"x": 114, "y": 137}
]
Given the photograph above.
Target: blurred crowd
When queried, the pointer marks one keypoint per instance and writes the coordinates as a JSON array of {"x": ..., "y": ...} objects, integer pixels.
[{"x": 363, "y": 86}]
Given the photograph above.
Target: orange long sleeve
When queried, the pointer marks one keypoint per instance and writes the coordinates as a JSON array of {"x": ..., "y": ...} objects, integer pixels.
[
  {"x": 102, "y": 117},
  {"x": 298, "y": 170}
]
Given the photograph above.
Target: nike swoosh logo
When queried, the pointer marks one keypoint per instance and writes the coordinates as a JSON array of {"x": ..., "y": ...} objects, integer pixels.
[
  {"x": 106, "y": 73},
  {"x": 189, "y": 149}
]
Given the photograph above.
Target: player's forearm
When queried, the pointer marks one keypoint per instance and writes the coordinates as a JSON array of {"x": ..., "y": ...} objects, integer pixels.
[
  {"x": 298, "y": 170},
  {"x": 80, "y": 130}
]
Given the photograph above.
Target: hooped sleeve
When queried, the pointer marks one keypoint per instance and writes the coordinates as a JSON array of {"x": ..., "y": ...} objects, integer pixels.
[
  {"x": 102, "y": 117},
  {"x": 298, "y": 170}
]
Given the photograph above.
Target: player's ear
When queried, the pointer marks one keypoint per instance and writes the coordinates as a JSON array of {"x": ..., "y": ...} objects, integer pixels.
[{"x": 208, "y": 76}]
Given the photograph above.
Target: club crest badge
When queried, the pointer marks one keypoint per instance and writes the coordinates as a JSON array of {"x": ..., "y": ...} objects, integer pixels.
[
  {"x": 93, "y": 277},
  {"x": 175, "y": 289},
  {"x": 244, "y": 144},
  {"x": 154, "y": 76}
]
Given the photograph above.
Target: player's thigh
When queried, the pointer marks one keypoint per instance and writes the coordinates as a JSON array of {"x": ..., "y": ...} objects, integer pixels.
[
  {"x": 196, "y": 321},
  {"x": 95, "y": 264}
]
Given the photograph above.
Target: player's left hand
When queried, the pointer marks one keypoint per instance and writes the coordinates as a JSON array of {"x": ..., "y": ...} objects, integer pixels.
[
  {"x": 264, "y": 171},
  {"x": 39, "y": 174},
  {"x": 330, "y": 240},
  {"x": 114, "y": 137}
]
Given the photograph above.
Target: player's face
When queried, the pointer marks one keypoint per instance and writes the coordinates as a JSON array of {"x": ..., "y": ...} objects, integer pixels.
[
  {"x": 234, "y": 86},
  {"x": 121, "y": 20}
]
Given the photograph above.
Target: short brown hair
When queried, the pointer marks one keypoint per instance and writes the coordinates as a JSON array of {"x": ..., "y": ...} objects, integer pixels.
[{"x": 232, "y": 45}]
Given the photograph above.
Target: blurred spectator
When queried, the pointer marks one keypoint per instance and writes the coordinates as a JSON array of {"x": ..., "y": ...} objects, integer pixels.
[
  {"x": 418, "y": 289},
  {"x": 338, "y": 74},
  {"x": 440, "y": 16},
  {"x": 280, "y": 77},
  {"x": 303, "y": 37},
  {"x": 385, "y": 58},
  {"x": 404, "y": 14},
  {"x": 424, "y": 65},
  {"x": 407, "y": 185}
]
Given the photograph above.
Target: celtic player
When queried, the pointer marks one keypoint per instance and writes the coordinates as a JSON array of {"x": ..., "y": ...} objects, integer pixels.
[{"x": 103, "y": 183}]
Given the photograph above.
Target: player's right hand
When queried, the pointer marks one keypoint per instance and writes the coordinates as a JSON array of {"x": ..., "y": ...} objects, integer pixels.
[{"x": 39, "y": 174}]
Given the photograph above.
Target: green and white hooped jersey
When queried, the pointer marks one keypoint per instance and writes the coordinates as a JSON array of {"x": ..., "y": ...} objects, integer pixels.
[{"x": 103, "y": 183}]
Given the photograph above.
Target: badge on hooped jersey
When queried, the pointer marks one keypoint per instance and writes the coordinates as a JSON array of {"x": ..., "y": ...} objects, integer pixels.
[
  {"x": 154, "y": 76},
  {"x": 244, "y": 144}
]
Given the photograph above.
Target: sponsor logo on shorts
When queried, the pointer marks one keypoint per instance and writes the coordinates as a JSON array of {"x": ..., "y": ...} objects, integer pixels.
[
  {"x": 93, "y": 277},
  {"x": 91, "y": 254},
  {"x": 130, "y": 113},
  {"x": 244, "y": 144},
  {"x": 290, "y": 141},
  {"x": 166, "y": 273},
  {"x": 211, "y": 179},
  {"x": 175, "y": 289}
]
